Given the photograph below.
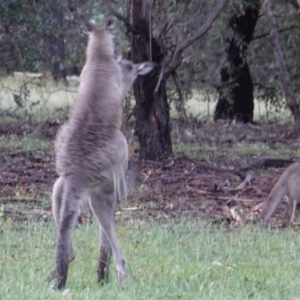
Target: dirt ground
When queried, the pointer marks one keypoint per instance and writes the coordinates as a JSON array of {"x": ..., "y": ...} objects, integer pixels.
[{"x": 221, "y": 171}]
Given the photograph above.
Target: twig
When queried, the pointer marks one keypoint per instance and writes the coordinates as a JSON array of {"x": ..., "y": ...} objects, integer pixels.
[
  {"x": 268, "y": 33},
  {"x": 134, "y": 208},
  {"x": 172, "y": 62},
  {"x": 174, "y": 76},
  {"x": 162, "y": 72}
]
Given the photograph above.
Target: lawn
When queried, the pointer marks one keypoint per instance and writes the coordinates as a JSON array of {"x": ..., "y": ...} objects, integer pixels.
[{"x": 183, "y": 258}]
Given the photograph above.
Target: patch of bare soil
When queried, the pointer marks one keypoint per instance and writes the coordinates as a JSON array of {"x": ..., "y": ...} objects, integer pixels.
[
  {"x": 231, "y": 192},
  {"x": 25, "y": 180}
]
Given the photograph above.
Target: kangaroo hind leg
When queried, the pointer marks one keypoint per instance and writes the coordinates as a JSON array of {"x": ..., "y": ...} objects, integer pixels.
[
  {"x": 72, "y": 197},
  {"x": 104, "y": 259},
  {"x": 102, "y": 202},
  {"x": 57, "y": 194}
]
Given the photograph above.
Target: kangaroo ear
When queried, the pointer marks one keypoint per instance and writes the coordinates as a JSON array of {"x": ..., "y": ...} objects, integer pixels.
[
  {"x": 119, "y": 58},
  {"x": 90, "y": 27},
  {"x": 145, "y": 67},
  {"x": 109, "y": 23}
]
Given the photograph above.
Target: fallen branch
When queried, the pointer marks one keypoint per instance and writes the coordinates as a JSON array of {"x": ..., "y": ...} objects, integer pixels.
[
  {"x": 232, "y": 198},
  {"x": 134, "y": 208},
  {"x": 269, "y": 163}
]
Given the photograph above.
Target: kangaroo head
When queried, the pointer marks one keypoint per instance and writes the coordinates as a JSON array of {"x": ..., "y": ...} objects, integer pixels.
[
  {"x": 130, "y": 71},
  {"x": 101, "y": 42}
]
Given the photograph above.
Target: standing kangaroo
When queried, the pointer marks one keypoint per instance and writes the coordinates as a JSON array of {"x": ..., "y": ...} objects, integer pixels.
[
  {"x": 92, "y": 154},
  {"x": 287, "y": 185}
]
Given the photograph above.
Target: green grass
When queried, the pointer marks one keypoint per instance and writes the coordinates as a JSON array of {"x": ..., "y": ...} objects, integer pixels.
[
  {"x": 44, "y": 98},
  {"x": 195, "y": 149},
  {"x": 203, "y": 105},
  {"x": 249, "y": 150},
  {"x": 29, "y": 142},
  {"x": 183, "y": 259}
]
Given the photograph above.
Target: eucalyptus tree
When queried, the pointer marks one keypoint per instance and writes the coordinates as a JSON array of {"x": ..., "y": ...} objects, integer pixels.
[{"x": 159, "y": 32}]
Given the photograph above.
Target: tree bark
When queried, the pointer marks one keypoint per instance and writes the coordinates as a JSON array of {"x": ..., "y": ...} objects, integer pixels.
[
  {"x": 236, "y": 89},
  {"x": 57, "y": 44},
  {"x": 152, "y": 110}
]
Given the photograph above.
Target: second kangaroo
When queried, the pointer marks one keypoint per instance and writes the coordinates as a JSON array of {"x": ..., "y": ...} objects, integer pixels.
[{"x": 287, "y": 185}]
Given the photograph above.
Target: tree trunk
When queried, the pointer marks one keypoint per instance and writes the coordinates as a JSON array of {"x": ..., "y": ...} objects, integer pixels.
[
  {"x": 236, "y": 90},
  {"x": 283, "y": 72},
  {"x": 152, "y": 110},
  {"x": 57, "y": 44}
]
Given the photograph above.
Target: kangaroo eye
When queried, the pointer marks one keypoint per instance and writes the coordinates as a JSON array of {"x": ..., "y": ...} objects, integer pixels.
[{"x": 129, "y": 67}]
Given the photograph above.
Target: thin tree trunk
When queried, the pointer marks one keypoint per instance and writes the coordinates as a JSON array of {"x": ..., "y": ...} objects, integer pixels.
[
  {"x": 283, "y": 72},
  {"x": 57, "y": 43}
]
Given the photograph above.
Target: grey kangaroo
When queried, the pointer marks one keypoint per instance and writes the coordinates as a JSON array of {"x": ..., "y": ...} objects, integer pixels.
[
  {"x": 287, "y": 185},
  {"x": 92, "y": 154}
]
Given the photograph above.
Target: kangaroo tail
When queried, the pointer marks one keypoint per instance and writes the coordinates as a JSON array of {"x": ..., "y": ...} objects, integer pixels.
[{"x": 120, "y": 185}]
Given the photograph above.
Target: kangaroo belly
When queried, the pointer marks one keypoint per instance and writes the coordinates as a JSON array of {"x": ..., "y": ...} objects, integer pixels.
[{"x": 93, "y": 164}]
